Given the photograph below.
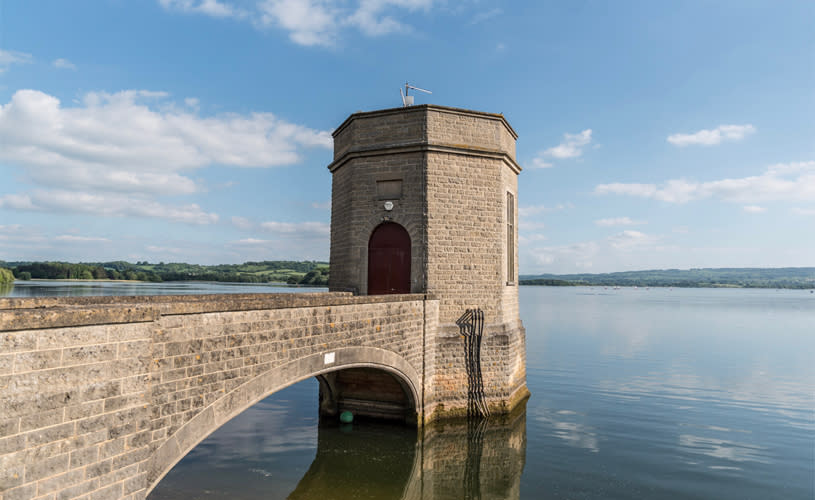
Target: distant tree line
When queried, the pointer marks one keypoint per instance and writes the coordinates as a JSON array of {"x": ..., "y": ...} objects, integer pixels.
[
  {"x": 311, "y": 273},
  {"x": 68, "y": 271},
  {"x": 791, "y": 277},
  {"x": 547, "y": 282},
  {"x": 314, "y": 277}
]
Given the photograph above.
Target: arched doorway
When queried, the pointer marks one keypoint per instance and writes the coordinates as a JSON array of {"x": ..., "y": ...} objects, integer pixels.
[{"x": 389, "y": 260}]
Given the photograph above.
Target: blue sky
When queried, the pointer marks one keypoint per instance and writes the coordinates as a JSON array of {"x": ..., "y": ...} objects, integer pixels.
[{"x": 652, "y": 134}]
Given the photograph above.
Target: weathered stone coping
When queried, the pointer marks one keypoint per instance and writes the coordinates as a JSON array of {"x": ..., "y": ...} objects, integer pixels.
[
  {"x": 56, "y": 312},
  {"x": 423, "y": 108}
]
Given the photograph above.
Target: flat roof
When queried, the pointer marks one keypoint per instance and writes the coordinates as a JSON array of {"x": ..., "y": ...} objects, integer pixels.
[{"x": 425, "y": 107}]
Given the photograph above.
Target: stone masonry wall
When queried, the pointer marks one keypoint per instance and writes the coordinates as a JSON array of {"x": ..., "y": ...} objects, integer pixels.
[
  {"x": 458, "y": 167},
  {"x": 356, "y": 210},
  {"x": 100, "y": 397}
]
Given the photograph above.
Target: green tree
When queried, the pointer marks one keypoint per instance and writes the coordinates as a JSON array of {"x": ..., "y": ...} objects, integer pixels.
[{"x": 6, "y": 276}]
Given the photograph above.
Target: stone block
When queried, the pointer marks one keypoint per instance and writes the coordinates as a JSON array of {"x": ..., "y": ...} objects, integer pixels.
[
  {"x": 50, "y": 434},
  {"x": 77, "y": 490},
  {"x": 84, "y": 456},
  {"x": 20, "y": 493},
  {"x": 46, "y": 467},
  {"x": 60, "y": 481},
  {"x": 88, "y": 354},
  {"x": 98, "y": 469},
  {"x": 111, "y": 492},
  {"x": 42, "y": 419}
]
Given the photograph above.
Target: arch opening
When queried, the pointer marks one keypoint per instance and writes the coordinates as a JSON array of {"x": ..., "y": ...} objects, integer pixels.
[
  {"x": 189, "y": 435},
  {"x": 370, "y": 393},
  {"x": 389, "y": 260}
]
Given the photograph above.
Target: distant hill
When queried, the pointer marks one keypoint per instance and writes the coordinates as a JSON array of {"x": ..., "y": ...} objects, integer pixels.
[{"x": 783, "y": 277}]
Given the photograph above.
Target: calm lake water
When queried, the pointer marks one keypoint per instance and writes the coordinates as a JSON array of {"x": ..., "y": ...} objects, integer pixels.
[{"x": 636, "y": 393}]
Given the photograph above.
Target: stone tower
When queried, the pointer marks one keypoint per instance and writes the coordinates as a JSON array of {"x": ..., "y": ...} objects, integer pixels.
[{"x": 424, "y": 200}]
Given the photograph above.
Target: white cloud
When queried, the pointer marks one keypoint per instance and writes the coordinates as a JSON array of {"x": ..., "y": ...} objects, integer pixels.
[
  {"x": 571, "y": 147},
  {"x": 18, "y": 235},
  {"x": 617, "y": 221},
  {"x": 616, "y": 252},
  {"x": 754, "y": 209},
  {"x": 192, "y": 102},
  {"x": 117, "y": 152},
  {"x": 105, "y": 205},
  {"x": 485, "y": 15},
  {"x": 531, "y": 226},
  {"x": 310, "y": 22},
  {"x": 300, "y": 240},
  {"x": 531, "y": 210},
  {"x": 631, "y": 240},
  {"x": 781, "y": 182},
  {"x": 530, "y": 238},
  {"x": 117, "y": 142},
  {"x": 804, "y": 211},
  {"x": 165, "y": 250},
  {"x": 539, "y": 162},
  {"x": 212, "y": 8},
  {"x": 241, "y": 222},
  {"x": 251, "y": 241},
  {"x": 370, "y": 17},
  {"x": 712, "y": 137},
  {"x": 64, "y": 64},
  {"x": 296, "y": 229},
  {"x": 321, "y": 205},
  {"x": 9, "y": 57},
  {"x": 81, "y": 239}
]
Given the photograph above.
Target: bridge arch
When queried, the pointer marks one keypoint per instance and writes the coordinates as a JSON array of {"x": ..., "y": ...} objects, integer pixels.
[{"x": 189, "y": 435}]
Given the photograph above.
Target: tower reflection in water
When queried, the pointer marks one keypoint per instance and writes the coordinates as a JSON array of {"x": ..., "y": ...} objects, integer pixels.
[{"x": 477, "y": 459}]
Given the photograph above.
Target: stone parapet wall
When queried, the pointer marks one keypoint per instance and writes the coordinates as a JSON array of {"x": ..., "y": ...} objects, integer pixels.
[
  {"x": 75, "y": 410},
  {"x": 103, "y": 410}
]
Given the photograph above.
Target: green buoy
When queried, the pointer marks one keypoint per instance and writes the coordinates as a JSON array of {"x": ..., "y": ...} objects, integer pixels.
[{"x": 346, "y": 417}]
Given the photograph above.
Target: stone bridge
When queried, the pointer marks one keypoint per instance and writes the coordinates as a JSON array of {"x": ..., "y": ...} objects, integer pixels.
[{"x": 103, "y": 395}]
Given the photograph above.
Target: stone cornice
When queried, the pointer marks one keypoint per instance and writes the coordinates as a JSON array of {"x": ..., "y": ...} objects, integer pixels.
[{"x": 420, "y": 147}]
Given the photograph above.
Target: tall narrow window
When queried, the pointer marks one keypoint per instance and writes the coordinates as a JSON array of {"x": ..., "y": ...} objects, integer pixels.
[{"x": 510, "y": 238}]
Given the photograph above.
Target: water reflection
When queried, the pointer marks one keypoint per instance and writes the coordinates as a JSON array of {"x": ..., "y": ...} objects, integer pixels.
[
  {"x": 369, "y": 461},
  {"x": 564, "y": 425},
  {"x": 6, "y": 289},
  {"x": 477, "y": 460},
  {"x": 722, "y": 449}
]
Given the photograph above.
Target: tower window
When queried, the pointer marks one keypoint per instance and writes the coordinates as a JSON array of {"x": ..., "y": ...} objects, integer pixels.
[{"x": 510, "y": 238}]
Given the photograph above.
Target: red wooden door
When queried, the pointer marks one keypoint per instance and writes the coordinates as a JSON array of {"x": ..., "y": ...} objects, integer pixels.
[{"x": 389, "y": 260}]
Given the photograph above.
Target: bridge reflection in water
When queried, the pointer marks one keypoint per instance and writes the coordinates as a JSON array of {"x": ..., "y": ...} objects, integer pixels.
[
  {"x": 372, "y": 460},
  {"x": 470, "y": 460}
]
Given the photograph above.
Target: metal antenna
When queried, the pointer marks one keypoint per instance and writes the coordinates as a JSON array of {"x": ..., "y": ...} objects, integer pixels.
[{"x": 407, "y": 99}]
